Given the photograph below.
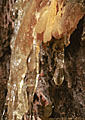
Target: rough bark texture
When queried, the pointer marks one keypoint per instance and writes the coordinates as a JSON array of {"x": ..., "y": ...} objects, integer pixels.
[
  {"x": 66, "y": 100},
  {"x": 6, "y": 31}
]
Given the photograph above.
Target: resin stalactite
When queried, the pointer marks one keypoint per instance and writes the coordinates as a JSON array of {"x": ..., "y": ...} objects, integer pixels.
[{"x": 49, "y": 19}]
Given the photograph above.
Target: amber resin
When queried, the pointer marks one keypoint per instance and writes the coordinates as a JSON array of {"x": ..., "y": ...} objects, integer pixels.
[{"x": 50, "y": 19}]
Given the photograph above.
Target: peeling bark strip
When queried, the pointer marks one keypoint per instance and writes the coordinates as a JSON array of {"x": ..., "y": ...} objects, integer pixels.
[{"x": 47, "y": 18}]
